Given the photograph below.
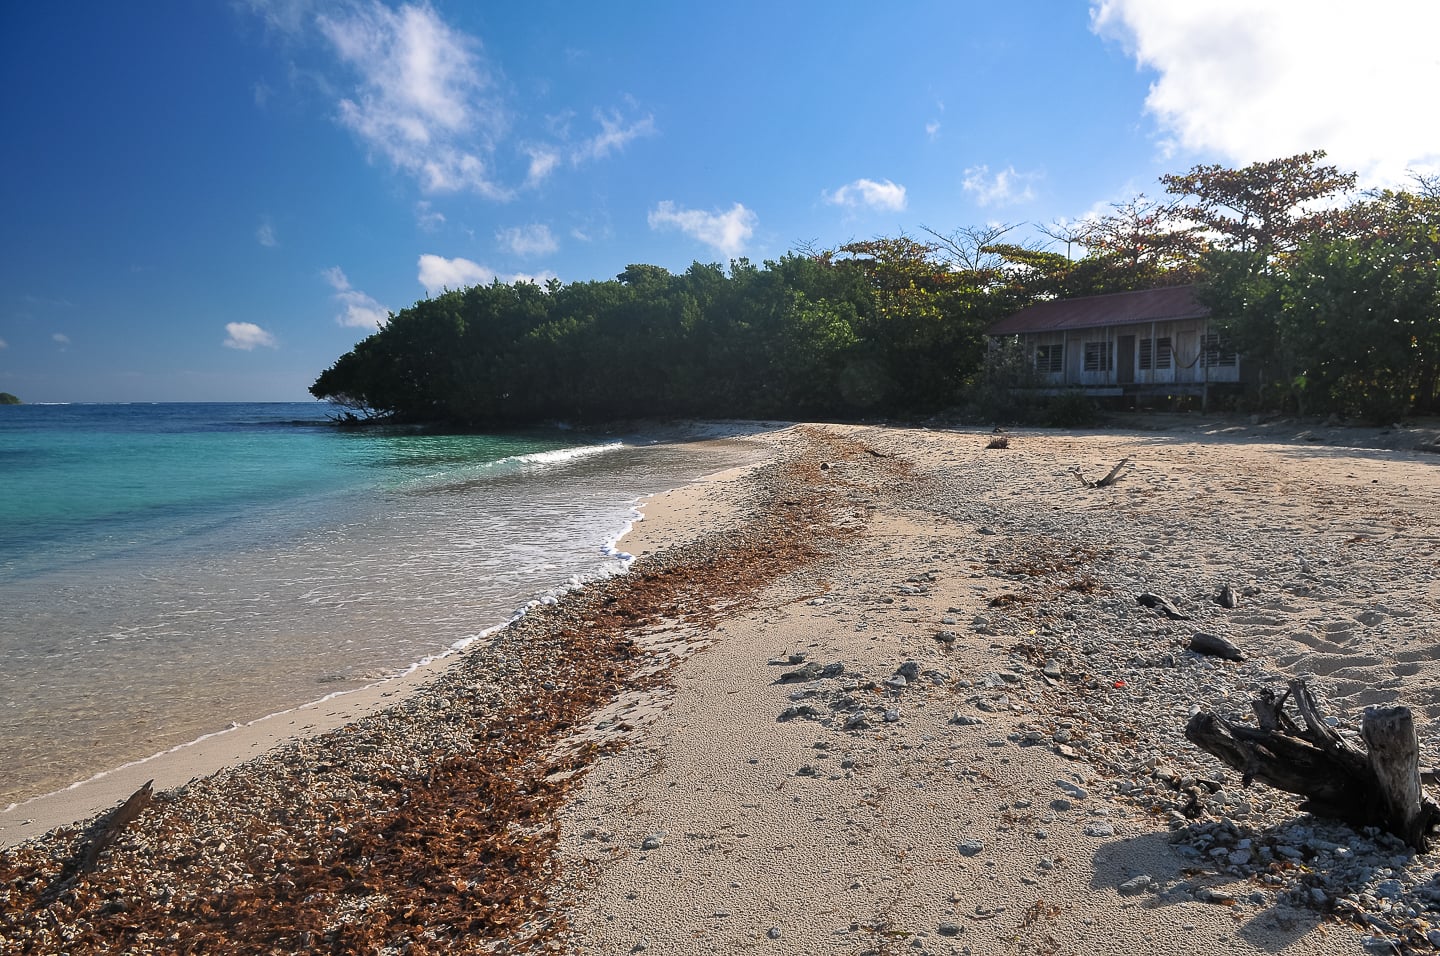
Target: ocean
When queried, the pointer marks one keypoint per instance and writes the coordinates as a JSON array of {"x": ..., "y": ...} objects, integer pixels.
[{"x": 168, "y": 570}]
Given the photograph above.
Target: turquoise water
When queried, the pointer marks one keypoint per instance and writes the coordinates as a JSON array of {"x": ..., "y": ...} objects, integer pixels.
[{"x": 166, "y": 570}]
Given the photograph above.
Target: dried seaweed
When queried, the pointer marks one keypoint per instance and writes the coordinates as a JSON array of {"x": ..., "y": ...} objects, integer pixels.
[{"x": 378, "y": 837}]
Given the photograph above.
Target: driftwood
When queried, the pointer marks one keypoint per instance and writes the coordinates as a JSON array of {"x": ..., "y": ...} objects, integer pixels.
[
  {"x": 112, "y": 826},
  {"x": 1115, "y": 475},
  {"x": 1379, "y": 788},
  {"x": 97, "y": 839},
  {"x": 1215, "y": 646}
]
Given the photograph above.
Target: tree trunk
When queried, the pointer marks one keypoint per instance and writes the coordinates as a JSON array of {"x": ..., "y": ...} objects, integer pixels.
[{"x": 1380, "y": 788}]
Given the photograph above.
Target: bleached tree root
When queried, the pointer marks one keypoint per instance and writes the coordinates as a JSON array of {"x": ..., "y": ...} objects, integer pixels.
[{"x": 1379, "y": 788}]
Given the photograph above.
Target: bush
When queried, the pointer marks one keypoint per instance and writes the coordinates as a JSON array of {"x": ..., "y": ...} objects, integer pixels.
[
  {"x": 998, "y": 393},
  {"x": 1071, "y": 409}
]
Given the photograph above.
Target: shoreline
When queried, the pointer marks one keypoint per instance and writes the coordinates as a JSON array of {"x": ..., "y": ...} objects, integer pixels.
[
  {"x": 34, "y": 815},
  {"x": 1024, "y": 786}
]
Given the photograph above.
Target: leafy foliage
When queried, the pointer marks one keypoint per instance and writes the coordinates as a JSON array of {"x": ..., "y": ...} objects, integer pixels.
[
  {"x": 1348, "y": 321},
  {"x": 1264, "y": 207},
  {"x": 1334, "y": 307},
  {"x": 7, "y": 399}
]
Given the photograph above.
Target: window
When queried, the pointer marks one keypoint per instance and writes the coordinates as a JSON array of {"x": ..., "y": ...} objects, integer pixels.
[
  {"x": 1214, "y": 353},
  {"x": 1098, "y": 357},
  {"x": 1049, "y": 358},
  {"x": 1155, "y": 353}
]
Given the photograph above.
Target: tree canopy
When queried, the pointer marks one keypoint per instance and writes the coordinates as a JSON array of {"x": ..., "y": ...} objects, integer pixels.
[{"x": 1335, "y": 303}]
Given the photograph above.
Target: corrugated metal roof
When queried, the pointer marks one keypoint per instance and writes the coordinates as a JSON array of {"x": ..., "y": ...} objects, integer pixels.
[{"x": 1095, "y": 311}]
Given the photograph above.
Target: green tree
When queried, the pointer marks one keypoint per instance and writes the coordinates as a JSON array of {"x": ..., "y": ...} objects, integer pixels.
[
  {"x": 1265, "y": 207},
  {"x": 1348, "y": 321}
]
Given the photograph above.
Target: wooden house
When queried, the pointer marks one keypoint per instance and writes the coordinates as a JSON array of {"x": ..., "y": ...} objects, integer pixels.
[{"x": 1151, "y": 343}]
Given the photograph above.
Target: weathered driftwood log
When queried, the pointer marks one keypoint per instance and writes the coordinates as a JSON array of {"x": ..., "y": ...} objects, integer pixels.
[
  {"x": 1110, "y": 479},
  {"x": 115, "y": 824},
  {"x": 1380, "y": 788}
]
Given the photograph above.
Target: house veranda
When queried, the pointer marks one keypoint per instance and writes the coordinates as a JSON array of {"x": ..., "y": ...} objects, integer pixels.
[{"x": 1150, "y": 344}]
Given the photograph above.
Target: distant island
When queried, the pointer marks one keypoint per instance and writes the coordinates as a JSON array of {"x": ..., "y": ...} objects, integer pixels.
[
  {"x": 7, "y": 399},
  {"x": 1334, "y": 309}
]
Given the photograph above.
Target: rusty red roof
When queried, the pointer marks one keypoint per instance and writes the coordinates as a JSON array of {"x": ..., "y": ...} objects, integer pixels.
[{"x": 1094, "y": 311}]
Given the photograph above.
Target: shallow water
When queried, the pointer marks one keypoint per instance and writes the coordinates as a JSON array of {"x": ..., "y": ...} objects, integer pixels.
[{"x": 167, "y": 570}]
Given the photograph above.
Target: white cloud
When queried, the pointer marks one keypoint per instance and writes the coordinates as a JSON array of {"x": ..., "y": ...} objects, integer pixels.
[
  {"x": 1256, "y": 81},
  {"x": 532, "y": 240},
  {"x": 247, "y": 336},
  {"x": 438, "y": 274},
  {"x": 427, "y": 218},
  {"x": 422, "y": 97},
  {"x": 4, "y": 344},
  {"x": 61, "y": 338},
  {"x": 265, "y": 234},
  {"x": 283, "y": 16},
  {"x": 725, "y": 232},
  {"x": 877, "y": 195},
  {"x": 361, "y": 311},
  {"x": 542, "y": 163},
  {"x": 1007, "y": 187},
  {"x": 932, "y": 129},
  {"x": 614, "y": 135}
]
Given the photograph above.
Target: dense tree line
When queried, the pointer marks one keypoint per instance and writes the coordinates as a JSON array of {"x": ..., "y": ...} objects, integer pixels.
[{"x": 1335, "y": 302}]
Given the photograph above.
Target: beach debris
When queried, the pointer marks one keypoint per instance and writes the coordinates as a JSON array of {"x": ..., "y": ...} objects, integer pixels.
[
  {"x": 1163, "y": 605},
  {"x": 1137, "y": 885},
  {"x": 1215, "y": 646},
  {"x": 970, "y": 848},
  {"x": 998, "y": 441},
  {"x": 110, "y": 828},
  {"x": 1226, "y": 598},
  {"x": 1115, "y": 475},
  {"x": 806, "y": 672},
  {"x": 800, "y": 710},
  {"x": 1379, "y": 788}
]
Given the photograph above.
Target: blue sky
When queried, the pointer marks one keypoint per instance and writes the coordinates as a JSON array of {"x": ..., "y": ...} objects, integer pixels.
[{"x": 213, "y": 201}]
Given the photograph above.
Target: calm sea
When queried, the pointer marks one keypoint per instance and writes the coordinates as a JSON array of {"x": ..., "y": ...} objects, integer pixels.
[{"x": 166, "y": 570}]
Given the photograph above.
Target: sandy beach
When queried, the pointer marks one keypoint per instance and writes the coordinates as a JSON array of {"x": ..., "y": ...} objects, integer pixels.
[{"x": 891, "y": 692}]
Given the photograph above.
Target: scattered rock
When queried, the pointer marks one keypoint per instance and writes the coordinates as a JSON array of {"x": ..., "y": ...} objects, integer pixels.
[{"x": 1135, "y": 887}]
